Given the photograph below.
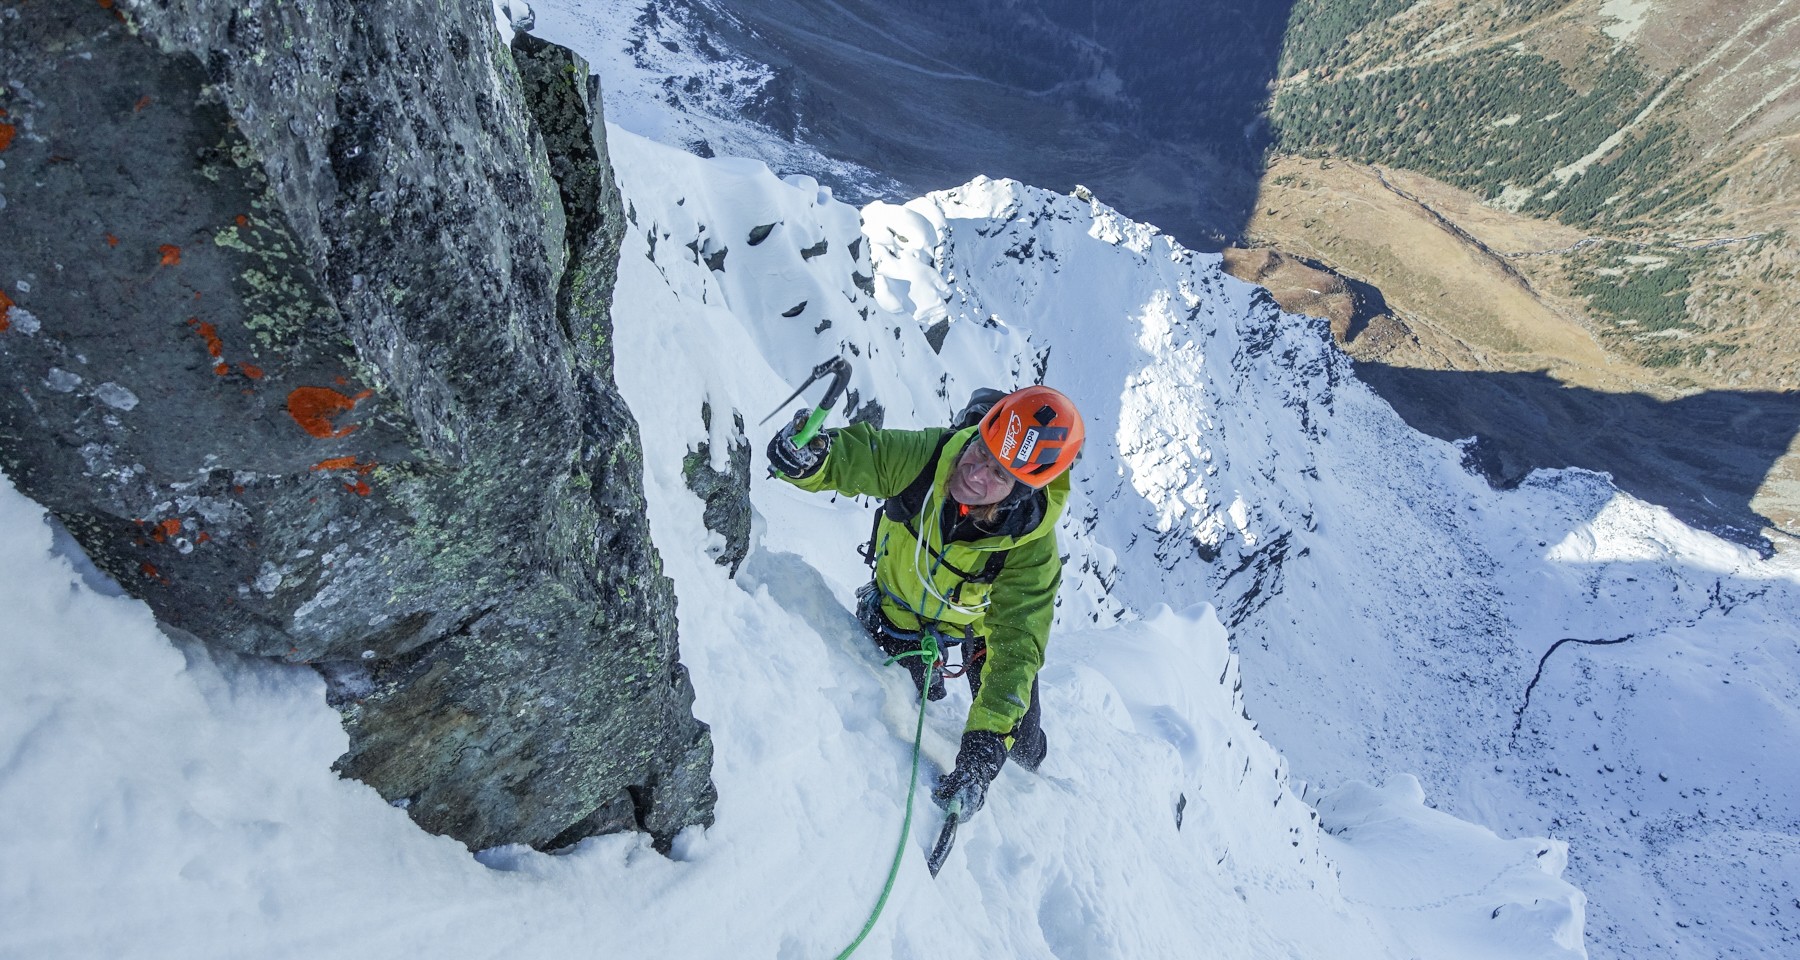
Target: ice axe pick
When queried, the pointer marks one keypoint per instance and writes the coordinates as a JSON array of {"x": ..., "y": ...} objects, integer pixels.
[{"x": 839, "y": 370}]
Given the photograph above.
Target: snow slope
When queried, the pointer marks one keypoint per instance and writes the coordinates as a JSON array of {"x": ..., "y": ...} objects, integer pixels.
[
  {"x": 163, "y": 801},
  {"x": 1392, "y": 613},
  {"x": 1391, "y": 610}
]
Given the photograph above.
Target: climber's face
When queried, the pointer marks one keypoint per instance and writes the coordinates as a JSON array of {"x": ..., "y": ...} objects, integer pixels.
[{"x": 978, "y": 479}]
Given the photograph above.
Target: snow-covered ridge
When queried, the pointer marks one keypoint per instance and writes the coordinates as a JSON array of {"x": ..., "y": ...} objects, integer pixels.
[
  {"x": 1394, "y": 613},
  {"x": 1010, "y": 284}
]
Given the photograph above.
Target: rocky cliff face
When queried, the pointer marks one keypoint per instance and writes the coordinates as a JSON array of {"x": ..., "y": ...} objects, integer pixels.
[{"x": 306, "y": 341}]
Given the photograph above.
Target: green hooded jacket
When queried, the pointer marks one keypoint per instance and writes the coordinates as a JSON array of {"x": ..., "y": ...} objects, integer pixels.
[{"x": 1013, "y": 613}]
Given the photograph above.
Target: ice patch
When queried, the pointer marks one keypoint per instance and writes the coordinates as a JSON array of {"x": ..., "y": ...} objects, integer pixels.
[
  {"x": 115, "y": 396},
  {"x": 268, "y": 579},
  {"x": 23, "y": 320}
]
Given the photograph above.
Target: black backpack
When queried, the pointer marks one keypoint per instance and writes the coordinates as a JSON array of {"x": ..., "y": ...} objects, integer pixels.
[{"x": 903, "y": 508}]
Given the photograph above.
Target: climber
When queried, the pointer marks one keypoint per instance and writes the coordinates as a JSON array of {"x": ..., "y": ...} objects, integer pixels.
[{"x": 965, "y": 548}]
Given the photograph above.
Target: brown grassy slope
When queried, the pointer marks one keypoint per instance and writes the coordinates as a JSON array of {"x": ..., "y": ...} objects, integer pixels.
[
  {"x": 1458, "y": 290},
  {"x": 1698, "y": 295},
  {"x": 1725, "y": 76}
]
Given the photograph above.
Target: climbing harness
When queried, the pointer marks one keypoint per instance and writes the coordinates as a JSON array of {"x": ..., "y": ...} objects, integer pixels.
[
  {"x": 927, "y": 651},
  {"x": 972, "y": 657}
]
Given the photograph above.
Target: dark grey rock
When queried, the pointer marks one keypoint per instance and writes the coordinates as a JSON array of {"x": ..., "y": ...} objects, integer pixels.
[
  {"x": 726, "y": 493},
  {"x": 860, "y": 409},
  {"x": 935, "y": 334},
  {"x": 320, "y": 368}
]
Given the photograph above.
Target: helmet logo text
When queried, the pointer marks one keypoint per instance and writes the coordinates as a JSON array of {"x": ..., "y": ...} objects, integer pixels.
[
  {"x": 1012, "y": 437},
  {"x": 1031, "y": 439}
]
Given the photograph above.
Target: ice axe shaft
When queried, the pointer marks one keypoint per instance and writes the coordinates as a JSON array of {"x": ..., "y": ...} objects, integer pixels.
[
  {"x": 839, "y": 370},
  {"x": 940, "y": 851}
]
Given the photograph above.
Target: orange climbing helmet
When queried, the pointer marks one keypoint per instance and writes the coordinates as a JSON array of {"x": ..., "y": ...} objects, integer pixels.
[{"x": 1035, "y": 433}]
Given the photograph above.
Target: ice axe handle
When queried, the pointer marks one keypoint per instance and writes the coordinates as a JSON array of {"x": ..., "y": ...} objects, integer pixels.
[{"x": 811, "y": 429}]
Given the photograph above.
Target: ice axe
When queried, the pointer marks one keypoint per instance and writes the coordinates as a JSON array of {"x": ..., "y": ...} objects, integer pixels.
[
  {"x": 839, "y": 370},
  {"x": 940, "y": 851}
]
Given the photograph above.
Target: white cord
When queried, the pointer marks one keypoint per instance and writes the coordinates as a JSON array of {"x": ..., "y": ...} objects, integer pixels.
[{"x": 925, "y": 578}]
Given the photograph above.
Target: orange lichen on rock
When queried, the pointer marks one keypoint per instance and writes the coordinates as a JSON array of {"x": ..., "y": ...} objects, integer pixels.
[
  {"x": 162, "y": 530},
  {"x": 111, "y": 240},
  {"x": 359, "y": 487},
  {"x": 143, "y": 102},
  {"x": 344, "y": 463},
  {"x": 203, "y": 537},
  {"x": 6, "y": 305},
  {"x": 313, "y": 407},
  {"x": 215, "y": 347},
  {"x": 242, "y": 221},
  {"x": 7, "y": 132},
  {"x": 171, "y": 254}
]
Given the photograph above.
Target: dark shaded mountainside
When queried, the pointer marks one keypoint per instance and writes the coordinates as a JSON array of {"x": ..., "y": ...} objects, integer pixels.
[
  {"x": 1703, "y": 456},
  {"x": 1154, "y": 104},
  {"x": 306, "y": 342}
]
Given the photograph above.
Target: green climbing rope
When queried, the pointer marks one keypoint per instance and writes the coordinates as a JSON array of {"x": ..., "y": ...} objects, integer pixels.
[{"x": 928, "y": 650}]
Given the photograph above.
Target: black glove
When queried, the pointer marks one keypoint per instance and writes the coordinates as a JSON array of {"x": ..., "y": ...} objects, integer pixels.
[
  {"x": 795, "y": 461},
  {"x": 978, "y": 761}
]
